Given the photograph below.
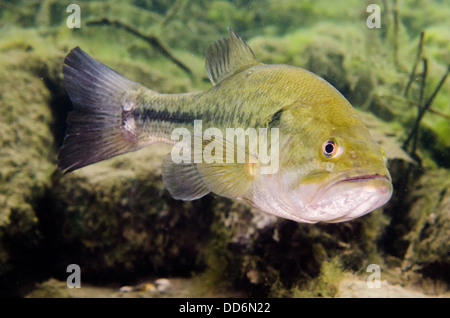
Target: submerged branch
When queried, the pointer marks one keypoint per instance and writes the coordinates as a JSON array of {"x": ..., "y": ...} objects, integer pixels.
[
  {"x": 151, "y": 39},
  {"x": 439, "y": 113},
  {"x": 423, "y": 82},
  {"x": 423, "y": 109},
  {"x": 422, "y": 91},
  {"x": 173, "y": 11},
  {"x": 436, "y": 91},
  {"x": 413, "y": 103},
  {"x": 413, "y": 72},
  {"x": 396, "y": 14}
]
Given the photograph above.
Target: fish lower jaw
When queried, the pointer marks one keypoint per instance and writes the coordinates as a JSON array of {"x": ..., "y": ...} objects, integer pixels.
[
  {"x": 320, "y": 192},
  {"x": 337, "y": 201},
  {"x": 350, "y": 199}
]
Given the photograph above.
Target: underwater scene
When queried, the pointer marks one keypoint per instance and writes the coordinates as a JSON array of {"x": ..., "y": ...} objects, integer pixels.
[{"x": 224, "y": 149}]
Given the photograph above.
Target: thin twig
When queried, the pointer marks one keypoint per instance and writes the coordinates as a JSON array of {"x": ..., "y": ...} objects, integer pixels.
[
  {"x": 176, "y": 7},
  {"x": 436, "y": 91},
  {"x": 423, "y": 109},
  {"x": 439, "y": 113},
  {"x": 413, "y": 103},
  {"x": 423, "y": 82},
  {"x": 151, "y": 39},
  {"x": 396, "y": 14},
  {"x": 413, "y": 72},
  {"x": 422, "y": 91}
]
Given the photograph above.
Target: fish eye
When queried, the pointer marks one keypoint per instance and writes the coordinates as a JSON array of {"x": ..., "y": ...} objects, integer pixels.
[{"x": 329, "y": 148}]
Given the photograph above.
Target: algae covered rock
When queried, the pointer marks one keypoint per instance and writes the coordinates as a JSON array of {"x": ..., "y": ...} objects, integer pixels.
[
  {"x": 326, "y": 59},
  {"x": 117, "y": 219},
  {"x": 38, "y": 205},
  {"x": 429, "y": 217},
  {"x": 26, "y": 145},
  {"x": 264, "y": 254}
]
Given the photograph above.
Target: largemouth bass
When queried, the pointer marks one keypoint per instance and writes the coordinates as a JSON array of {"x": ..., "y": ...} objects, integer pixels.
[{"x": 324, "y": 165}]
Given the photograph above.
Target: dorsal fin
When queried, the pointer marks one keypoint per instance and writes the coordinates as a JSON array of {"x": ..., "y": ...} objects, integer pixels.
[{"x": 228, "y": 56}]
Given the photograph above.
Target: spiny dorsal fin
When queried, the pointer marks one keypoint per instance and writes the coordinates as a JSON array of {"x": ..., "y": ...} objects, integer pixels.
[{"x": 228, "y": 56}]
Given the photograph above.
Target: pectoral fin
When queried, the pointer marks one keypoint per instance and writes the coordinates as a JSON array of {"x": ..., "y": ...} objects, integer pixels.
[
  {"x": 227, "y": 180},
  {"x": 191, "y": 181},
  {"x": 232, "y": 176}
]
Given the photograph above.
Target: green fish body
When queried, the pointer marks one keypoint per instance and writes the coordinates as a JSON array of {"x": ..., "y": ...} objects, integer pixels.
[{"x": 328, "y": 167}]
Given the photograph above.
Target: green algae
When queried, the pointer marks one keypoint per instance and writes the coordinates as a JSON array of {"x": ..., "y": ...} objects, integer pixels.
[
  {"x": 141, "y": 230},
  {"x": 430, "y": 217},
  {"x": 325, "y": 285},
  {"x": 25, "y": 166}
]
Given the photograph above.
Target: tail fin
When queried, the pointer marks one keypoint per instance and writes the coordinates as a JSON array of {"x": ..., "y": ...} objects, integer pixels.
[{"x": 96, "y": 127}]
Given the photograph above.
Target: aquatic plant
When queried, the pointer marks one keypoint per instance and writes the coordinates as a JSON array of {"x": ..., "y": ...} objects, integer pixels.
[{"x": 423, "y": 105}]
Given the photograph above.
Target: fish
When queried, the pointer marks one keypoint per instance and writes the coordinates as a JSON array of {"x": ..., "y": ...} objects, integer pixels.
[{"x": 324, "y": 166}]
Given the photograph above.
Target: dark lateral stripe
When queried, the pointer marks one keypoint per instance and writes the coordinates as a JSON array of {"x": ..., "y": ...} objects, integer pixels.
[{"x": 164, "y": 115}]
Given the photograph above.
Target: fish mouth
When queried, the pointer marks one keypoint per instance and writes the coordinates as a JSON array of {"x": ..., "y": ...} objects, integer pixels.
[
  {"x": 351, "y": 178},
  {"x": 363, "y": 178}
]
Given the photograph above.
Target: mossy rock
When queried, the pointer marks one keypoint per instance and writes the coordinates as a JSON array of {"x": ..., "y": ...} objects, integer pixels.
[
  {"x": 265, "y": 255},
  {"x": 428, "y": 250},
  {"x": 35, "y": 107},
  {"x": 25, "y": 160},
  {"x": 325, "y": 58},
  {"x": 117, "y": 220}
]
